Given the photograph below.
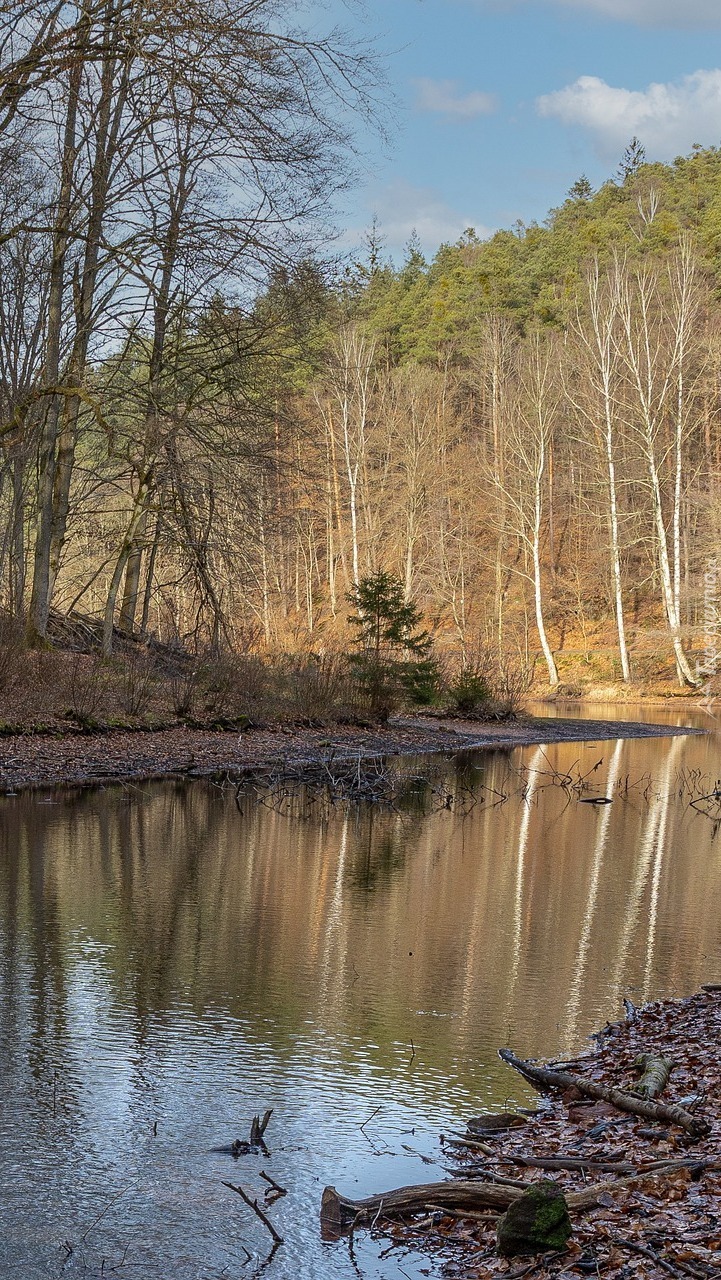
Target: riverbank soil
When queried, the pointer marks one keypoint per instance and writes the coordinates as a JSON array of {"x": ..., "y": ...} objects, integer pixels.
[
  {"x": 655, "y": 1190},
  {"x": 70, "y": 756}
]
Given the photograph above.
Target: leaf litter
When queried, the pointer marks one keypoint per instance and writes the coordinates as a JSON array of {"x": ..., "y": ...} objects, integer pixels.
[{"x": 661, "y": 1221}]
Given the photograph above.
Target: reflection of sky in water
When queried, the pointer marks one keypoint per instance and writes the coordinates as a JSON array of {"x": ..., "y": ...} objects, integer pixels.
[{"x": 167, "y": 960}]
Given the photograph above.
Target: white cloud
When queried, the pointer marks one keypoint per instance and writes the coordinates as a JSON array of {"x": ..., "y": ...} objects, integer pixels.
[
  {"x": 655, "y": 13},
  {"x": 667, "y": 118},
  {"x": 403, "y": 208},
  {"x": 444, "y": 98}
]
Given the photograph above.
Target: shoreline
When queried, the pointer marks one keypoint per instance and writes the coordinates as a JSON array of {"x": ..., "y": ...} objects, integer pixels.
[
  {"x": 40, "y": 761},
  {"x": 641, "y": 1174}
]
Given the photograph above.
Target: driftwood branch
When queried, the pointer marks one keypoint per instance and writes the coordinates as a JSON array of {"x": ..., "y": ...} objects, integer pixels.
[
  {"x": 337, "y": 1212},
  {"x": 671, "y": 1114},
  {"x": 253, "y": 1204},
  {"x": 590, "y": 1165},
  {"x": 680, "y": 1269},
  {"x": 275, "y": 1191}
]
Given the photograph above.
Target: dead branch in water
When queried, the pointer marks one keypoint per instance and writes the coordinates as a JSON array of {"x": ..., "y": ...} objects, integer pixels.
[{"x": 253, "y": 1204}]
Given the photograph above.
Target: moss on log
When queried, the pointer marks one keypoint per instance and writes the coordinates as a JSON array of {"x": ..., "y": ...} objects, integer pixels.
[{"x": 655, "y": 1072}]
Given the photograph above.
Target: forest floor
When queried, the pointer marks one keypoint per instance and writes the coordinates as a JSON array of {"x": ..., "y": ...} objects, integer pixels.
[
  {"x": 654, "y": 1191},
  {"x": 71, "y": 756}
]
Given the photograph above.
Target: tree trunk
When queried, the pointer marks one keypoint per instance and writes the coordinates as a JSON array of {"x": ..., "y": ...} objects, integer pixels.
[
  {"x": 131, "y": 586},
  {"x": 149, "y": 579},
  {"x": 137, "y": 516},
  {"x": 110, "y": 109},
  {"x": 40, "y": 594},
  {"x": 537, "y": 596}
]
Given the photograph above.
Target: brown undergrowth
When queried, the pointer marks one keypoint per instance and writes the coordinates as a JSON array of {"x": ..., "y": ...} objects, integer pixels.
[{"x": 648, "y": 1221}]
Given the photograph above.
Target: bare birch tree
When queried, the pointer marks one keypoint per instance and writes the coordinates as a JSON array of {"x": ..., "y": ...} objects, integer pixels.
[
  {"x": 346, "y": 413},
  {"x": 522, "y": 488},
  {"x": 592, "y": 387},
  {"x": 652, "y": 344}
]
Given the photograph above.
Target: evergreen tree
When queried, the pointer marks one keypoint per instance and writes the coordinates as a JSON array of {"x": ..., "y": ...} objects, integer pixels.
[
  {"x": 393, "y": 655},
  {"x": 581, "y": 189},
  {"x": 631, "y": 160}
]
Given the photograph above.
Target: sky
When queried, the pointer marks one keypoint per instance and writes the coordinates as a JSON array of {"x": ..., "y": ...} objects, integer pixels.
[{"x": 502, "y": 104}]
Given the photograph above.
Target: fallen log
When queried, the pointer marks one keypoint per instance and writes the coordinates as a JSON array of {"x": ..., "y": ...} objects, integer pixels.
[
  {"x": 339, "y": 1213},
  {"x": 572, "y": 1163},
  {"x": 695, "y": 1126}
]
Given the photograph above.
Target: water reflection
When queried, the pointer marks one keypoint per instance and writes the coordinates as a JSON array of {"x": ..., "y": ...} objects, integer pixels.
[{"x": 170, "y": 961}]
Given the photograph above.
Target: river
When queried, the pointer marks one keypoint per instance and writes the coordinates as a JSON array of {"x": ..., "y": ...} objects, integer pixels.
[{"x": 173, "y": 962}]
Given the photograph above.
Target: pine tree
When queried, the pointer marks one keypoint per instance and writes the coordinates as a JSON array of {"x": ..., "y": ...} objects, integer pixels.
[{"x": 631, "y": 160}]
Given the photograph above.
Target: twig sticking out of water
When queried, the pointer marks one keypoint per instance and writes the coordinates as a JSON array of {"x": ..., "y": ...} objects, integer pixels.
[
  {"x": 258, "y": 1128},
  {"x": 253, "y": 1204},
  {"x": 362, "y": 1127},
  {"x": 275, "y": 1191}
]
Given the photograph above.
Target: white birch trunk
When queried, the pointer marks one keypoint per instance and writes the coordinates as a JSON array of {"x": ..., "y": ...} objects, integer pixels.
[
  {"x": 652, "y": 355},
  {"x": 599, "y": 398}
]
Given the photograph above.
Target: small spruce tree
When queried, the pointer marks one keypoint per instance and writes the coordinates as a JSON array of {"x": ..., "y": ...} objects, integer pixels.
[{"x": 393, "y": 656}]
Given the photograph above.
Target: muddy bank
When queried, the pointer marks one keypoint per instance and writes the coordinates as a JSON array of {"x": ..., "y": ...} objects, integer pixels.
[{"x": 81, "y": 760}]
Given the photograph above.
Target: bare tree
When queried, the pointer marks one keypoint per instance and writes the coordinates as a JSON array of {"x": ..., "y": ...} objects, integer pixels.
[
  {"x": 521, "y": 484},
  {"x": 346, "y": 414},
  {"x": 652, "y": 343},
  {"x": 191, "y": 151},
  {"x": 593, "y": 376}
]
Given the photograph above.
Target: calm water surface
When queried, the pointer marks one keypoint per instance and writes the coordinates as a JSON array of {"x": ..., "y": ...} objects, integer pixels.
[{"x": 170, "y": 965}]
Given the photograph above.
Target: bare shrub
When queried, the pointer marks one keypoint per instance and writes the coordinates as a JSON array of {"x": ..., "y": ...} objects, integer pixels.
[
  {"x": 87, "y": 685},
  {"x": 137, "y": 684},
  {"x": 218, "y": 684},
  {"x": 11, "y": 649},
  {"x": 511, "y": 689},
  {"x": 235, "y": 685},
  {"x": 253, "y": 686},
  {"x": 52, "y": 672},
  {"x": 319, "y": 686},
  {"x": 184, "y": 687}
]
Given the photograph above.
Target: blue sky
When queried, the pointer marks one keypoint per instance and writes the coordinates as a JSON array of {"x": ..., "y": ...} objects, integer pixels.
[{"x": 502, "y": 104}]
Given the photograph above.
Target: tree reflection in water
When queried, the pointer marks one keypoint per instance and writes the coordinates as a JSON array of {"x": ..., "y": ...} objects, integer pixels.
[{"x": 166, "y": 958}]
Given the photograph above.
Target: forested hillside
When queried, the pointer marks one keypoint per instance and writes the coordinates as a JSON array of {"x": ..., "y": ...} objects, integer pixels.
[{"x": 209, "y": 434}]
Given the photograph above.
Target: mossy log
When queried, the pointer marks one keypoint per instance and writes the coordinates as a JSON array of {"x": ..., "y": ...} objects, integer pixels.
[
  {"x": 669, "y": 1113},
  {"x": 338, "y": 1213},
  {"x": 655, "y": 1072}
]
